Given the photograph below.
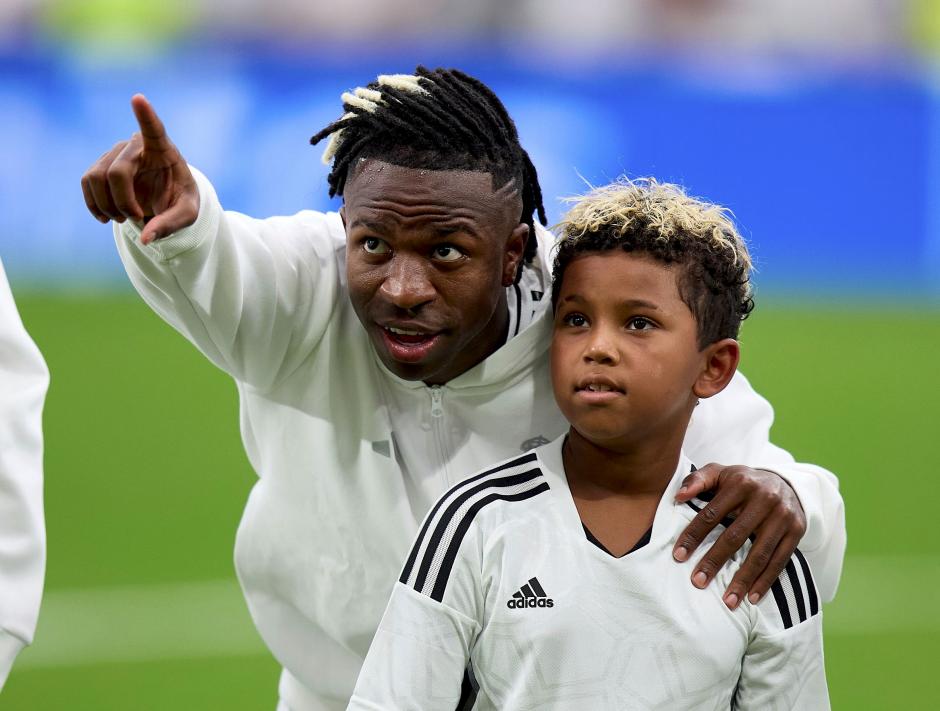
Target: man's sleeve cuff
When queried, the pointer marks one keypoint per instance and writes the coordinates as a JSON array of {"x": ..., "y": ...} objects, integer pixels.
[
  {"x": 188, "y": 238},
  {"x": 10, "y": 646}
]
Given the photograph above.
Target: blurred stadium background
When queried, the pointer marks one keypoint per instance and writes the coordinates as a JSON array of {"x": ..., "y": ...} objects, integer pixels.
[{"x": 818, "y": 123}]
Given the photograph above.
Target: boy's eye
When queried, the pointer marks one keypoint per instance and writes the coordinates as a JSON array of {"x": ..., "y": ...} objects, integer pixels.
[
  {"x": 374, "y": 245},
  {"x": 640, "y": 323},
  {"x": 577, "y": 320},
  {"x": 447, "y": 253}
]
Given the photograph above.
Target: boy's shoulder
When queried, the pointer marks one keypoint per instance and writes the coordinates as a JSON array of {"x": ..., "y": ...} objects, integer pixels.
[{"x": 474, "y": 508}]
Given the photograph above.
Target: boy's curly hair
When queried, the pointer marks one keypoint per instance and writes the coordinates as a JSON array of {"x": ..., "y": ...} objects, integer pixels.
[{"x": 660, "y": 220}]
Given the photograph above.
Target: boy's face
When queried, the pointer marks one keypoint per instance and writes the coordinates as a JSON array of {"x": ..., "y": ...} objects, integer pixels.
[{"x": 625, "y": 359}]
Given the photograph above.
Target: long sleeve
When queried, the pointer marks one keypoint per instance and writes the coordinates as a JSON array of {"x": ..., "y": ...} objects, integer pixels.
[
  {"x": 23, "y": 383},
  {"x": 255, "y": 296},
  {"x": 422, "y": 648},
  {"x": 783, "y": 667},
  {"x": 733, "y": 427}
]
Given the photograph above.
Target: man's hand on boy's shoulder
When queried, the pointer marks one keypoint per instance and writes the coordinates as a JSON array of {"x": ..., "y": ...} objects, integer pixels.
[{"x": 761, "y": 503}]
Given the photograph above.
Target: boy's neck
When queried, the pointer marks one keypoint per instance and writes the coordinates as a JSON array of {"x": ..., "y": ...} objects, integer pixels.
[{"x": 639, "y": 470}]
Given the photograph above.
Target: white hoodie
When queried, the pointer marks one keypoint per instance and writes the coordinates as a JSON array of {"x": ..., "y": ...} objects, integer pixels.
[
  {"x": 349, "y": 457},
  {"x": 23, "y": 383}
]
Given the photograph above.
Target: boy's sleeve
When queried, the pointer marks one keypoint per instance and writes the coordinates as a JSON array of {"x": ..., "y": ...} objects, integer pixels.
[
  {"x": 783, "y": 666},
  {"x": 733, "y": 427},
  {"x": 421, "y": 651},
  {"x": 23, "y": 383},
  {"x": 255, "y": 296}
]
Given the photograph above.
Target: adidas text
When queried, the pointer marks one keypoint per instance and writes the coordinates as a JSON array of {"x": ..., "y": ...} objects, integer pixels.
[{"x": 514, "y": 603}]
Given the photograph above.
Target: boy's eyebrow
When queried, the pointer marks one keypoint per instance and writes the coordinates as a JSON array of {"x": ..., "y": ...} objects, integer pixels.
[{"x": 631, "y": 303}]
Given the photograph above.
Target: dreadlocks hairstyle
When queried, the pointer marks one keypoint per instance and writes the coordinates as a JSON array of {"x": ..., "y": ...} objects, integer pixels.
[
  {"x": 659, "y": 219},
  {"x": 439, "y": 119}
]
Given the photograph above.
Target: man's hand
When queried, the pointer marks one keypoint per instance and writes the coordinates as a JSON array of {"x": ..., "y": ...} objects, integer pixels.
[
  {"x": 144, "y": 179},
  {"x": 763, "y": 504}
]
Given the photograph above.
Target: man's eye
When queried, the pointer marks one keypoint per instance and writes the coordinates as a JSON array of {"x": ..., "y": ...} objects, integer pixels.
[
  {"x": 373, "y": 245},
  {"x": 640, "y": 323},
  {"x": 577, "y": 320},
  {"x": 447, "y": 253}
]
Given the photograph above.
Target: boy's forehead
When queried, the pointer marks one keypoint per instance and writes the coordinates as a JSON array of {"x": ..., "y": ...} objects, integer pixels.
[{"x": 617, "y": 276}]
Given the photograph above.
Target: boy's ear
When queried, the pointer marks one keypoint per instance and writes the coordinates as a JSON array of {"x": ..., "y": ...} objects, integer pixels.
[
  {"x": 719, "y": 361},
  {"x": 514, "y": 252},
  {"x": 342, "y": 215}
]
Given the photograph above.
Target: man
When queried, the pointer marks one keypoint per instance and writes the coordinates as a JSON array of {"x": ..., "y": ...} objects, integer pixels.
[
  {"x": 384, "y": 350},
  {"x": 23, "y": 383}
]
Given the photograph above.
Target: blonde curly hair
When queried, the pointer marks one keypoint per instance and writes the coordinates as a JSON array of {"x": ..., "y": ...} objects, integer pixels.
[{"x": 661, "y": 220}]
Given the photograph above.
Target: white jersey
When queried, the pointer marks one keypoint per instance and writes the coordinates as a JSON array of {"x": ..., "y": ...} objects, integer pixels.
[
  {"x": 507, "y": 602},
  {"x": 23, "y": 383},
  {"x": 350, "y": 457}
]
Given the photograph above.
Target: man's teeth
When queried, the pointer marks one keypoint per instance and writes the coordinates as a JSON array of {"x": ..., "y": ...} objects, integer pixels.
[
  {"x": 597, "y": 388},
  {"x": 403, "y": 331}
]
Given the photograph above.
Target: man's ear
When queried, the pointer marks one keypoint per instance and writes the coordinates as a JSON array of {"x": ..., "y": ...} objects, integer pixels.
[
  {"x": 514, "y": 252},
  {"x": 342, "y": 215},
  {"x": 719, "y": 362}
]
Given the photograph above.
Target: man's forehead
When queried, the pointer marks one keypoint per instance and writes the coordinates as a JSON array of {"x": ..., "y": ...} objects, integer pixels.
[{"x": 375, "y": 183}]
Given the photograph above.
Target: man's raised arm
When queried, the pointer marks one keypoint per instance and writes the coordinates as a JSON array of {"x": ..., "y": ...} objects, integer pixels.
[{"x": 253, "y": 295}]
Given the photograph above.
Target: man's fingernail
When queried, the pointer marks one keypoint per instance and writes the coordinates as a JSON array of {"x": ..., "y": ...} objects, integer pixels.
[
  {"x": 680, "y": 553},
  {"x": 731, "y": 600},
  {"x": 683, "y": 489},
  {"x": 754, "y": 598},
  {"x": 700, "y": 579}
]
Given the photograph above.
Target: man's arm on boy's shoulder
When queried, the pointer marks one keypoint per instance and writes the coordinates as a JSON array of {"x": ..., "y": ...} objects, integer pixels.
[
  {"x": 779, "y": 501},
  {"x": 253, "y": 295}
]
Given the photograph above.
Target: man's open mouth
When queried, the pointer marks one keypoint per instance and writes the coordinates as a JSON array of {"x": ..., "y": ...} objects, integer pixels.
[{"x": 408, "y": 345}]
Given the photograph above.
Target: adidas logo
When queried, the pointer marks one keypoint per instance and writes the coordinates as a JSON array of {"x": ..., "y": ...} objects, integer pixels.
[{"x": 530, "y": 595}]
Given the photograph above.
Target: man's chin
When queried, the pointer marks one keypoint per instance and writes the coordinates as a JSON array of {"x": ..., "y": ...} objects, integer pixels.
[{"x": 414, "y": 360}]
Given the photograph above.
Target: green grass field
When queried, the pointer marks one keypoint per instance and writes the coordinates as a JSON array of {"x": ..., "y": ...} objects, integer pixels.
[{"x": 146, "y": 478}]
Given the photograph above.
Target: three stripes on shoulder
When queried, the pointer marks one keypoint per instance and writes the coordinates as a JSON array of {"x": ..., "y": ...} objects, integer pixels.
[
  {"x": 432, "y": 557},
  {"x": 794, "y": 591}
]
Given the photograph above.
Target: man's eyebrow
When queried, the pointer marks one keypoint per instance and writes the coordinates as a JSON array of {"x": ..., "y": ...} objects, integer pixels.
[
  {"x": 462, "y": 226},
  {"x": 370, "y": 224}
]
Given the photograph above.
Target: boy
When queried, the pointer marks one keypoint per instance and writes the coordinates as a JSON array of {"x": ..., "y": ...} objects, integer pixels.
[{"x": 549, "y": 577}]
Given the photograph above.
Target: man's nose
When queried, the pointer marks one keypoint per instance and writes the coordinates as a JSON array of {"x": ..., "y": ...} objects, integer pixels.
[{"x": 406, "y": 283}]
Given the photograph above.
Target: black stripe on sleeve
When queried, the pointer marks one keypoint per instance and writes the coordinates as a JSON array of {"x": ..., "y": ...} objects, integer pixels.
[
  {"x": 454, "y": 506},
  {"x": 468, "y": 691},
  {"x": 781, "y": 599},
  {"x": 451, "y": 555},
  {"x": 797, "y": 590},
  {"x": 409, "y": 564},
  {"x": 810, "y": 583}
]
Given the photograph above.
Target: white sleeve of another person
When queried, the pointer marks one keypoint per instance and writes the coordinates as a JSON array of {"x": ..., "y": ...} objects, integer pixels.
[{"x": 23, "y": 383}]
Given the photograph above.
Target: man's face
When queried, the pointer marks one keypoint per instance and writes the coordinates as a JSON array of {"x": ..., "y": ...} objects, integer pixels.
[
  {"x": 625, "y": 356},
  {"x": 428, "y": 256}
]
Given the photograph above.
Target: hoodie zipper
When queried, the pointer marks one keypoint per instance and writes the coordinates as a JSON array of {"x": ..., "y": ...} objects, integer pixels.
[{"x": 437, "y": 426}]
